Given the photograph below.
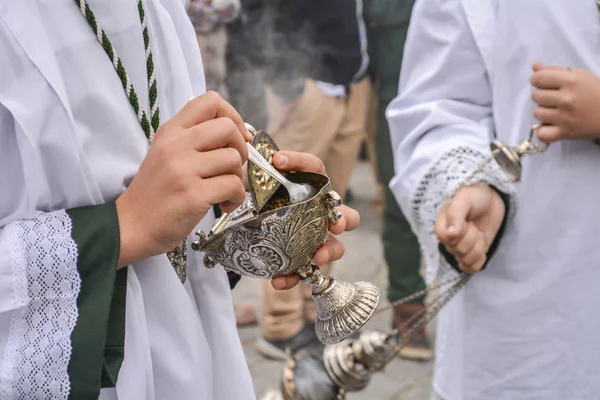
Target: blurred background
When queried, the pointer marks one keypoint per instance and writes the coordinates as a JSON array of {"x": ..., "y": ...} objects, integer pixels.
[{"x": 317, "y": 75}]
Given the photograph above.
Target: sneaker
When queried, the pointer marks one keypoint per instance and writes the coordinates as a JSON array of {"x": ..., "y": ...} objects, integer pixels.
[
  {"x": 419, "y": 347},
  {"x": 278, "y": 349}
]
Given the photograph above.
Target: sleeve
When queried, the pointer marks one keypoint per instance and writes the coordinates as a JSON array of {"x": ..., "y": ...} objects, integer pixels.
[
  {"x": 64, "y": 303},
  {"x": 441, "y": 121},
  {"x": 62, "y": 300}
]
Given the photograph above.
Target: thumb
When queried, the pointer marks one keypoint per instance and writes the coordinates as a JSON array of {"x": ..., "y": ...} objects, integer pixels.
[
  {"x": 456, "y": 215},
  {"x": 537, "y": 66}
]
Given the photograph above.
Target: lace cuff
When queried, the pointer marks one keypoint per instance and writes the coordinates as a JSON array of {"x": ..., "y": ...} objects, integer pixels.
[
  {"x": 438, "y": 184},
  {"x": 67, "y": 329},
  {"x": 46, "y": 287}
]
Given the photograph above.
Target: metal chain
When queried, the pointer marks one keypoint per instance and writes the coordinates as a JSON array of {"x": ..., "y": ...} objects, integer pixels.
[
  {"x": 433, "y": 306},
  {"x": 424, "y": 317},
  {"x": 421, "y": 293}
]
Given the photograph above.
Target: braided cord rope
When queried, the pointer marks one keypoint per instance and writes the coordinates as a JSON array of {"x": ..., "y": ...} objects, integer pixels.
[
  {"x": 149, "y": 127},
  {"x": 177, "y": 256}
]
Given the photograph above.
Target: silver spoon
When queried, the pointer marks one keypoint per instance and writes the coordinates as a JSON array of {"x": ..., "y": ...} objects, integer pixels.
[{"x": 298, "y": 192}]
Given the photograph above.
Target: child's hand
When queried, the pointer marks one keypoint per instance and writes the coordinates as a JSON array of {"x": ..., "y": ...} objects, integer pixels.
[{"x": 568, "y": 103}]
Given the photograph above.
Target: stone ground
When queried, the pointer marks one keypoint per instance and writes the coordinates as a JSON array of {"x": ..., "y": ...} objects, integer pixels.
[{"x": 402, "y": 380}]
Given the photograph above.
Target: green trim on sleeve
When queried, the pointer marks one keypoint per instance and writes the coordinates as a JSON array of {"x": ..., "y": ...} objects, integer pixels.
[
  {"x": 98, "y": 338},
  {"x": 114, "y": 350}
]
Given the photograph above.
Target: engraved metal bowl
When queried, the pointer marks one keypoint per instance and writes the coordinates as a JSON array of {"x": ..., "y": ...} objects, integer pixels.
[{"x": 267, "y": 237}]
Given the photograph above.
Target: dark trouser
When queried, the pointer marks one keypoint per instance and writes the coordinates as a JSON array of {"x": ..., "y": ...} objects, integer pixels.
[{"x": 400, "y": 246}]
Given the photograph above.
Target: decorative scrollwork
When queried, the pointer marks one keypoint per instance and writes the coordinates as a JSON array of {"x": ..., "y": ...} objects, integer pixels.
[
  {"x": 282, "y": 243},
  {"x": 333, "y": 200}
]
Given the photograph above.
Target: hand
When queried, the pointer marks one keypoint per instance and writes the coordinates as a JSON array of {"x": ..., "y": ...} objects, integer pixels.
[
  {"x": 468, "y": 224},
  {"x": 194, "y": 162},
  {"x": 567, "y": 103},
  {"x": 333, "y": 249}
]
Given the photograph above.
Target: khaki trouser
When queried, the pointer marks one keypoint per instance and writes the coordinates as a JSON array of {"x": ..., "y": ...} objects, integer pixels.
[
  {"x": 333, "y": 130},
  {"x": 371, "y": 125}
]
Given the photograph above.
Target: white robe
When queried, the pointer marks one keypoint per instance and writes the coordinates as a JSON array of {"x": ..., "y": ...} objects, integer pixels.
[
  {"x": 526, "y": 327},
  {"x": 68, "y": 137}
]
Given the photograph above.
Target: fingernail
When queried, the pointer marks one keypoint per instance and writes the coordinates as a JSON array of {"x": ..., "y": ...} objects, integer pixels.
[
  {"x": 283, "y": 160},
  {"x": 452, "y": 229},
  {"x": 279, "y": 284}
]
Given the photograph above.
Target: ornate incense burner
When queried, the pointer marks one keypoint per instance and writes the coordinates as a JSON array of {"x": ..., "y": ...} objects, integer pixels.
[{"x": 267, "y": 236}]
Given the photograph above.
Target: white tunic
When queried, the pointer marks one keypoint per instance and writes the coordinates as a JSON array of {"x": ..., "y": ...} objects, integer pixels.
[
  {"x": 68, "y": 137},
  {"x": 527, "y": 327}
]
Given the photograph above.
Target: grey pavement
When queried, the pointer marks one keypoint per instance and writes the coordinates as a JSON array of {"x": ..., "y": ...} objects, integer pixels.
[{"x": 401, "y": 380}]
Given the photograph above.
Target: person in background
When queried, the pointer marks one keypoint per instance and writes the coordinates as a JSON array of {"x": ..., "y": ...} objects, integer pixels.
[
  {"x": 526, "y": 324},
  {"x": 371, "y": 155},
  {"x": 209, "y": 18},
  {"x": 315, "y": 66},
  {"x": 387, "y": 22}
]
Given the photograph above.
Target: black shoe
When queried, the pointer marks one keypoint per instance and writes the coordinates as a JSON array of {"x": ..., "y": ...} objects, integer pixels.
[{"x": 278, "y": 349}]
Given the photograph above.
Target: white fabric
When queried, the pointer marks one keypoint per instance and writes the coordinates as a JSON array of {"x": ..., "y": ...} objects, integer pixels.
[
  {"x": 527, "y": 327},
  {"x": 68, "y": 137},
  {"x": 46, "y": 285},
  {"x": 455, "y": 168}
]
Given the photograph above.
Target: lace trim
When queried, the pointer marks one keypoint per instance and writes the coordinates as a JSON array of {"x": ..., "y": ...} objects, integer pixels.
[
  {"x": 46, "y": 281},
  {"x": 438, "y": 184}
]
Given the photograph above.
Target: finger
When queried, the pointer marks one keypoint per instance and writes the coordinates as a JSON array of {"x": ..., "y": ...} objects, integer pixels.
[
  {"x": 219, "y": 162},
  {"x": 222, "y": 189},
  {"x": 467, "y": 243},
  {"x": 478, "y": 265},
  {"x": 473, "y": 268},
  {"x": 350, "y": 220},
  {"x": 478, "y": 252},
  {"x": 285, "y": 282},
  {"x": 456, "y": 218},
  {"x": 440, "y": 225},
  {"x": 229, "y": 206},
  {"x": 547, "y": 98},
  {"x": 204, "y": 108},
  {"x": 547, "y": 116},
  {"x": 549, "y": 78},
  {"x": 217, "y": 134},
  {"x": 537, "y": 66},
  {"x": 550, "y": 133},
  {"x": 295, "y": 161},
  {"x": 332, "y": 250}
]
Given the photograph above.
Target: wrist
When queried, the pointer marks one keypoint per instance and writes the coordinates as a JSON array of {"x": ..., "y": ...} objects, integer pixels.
[{"x": 131, "y": 247}]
